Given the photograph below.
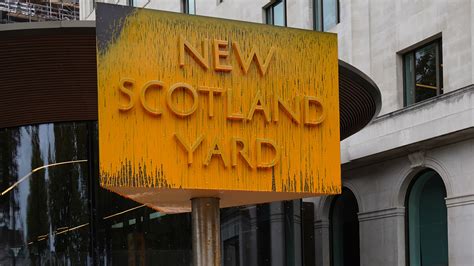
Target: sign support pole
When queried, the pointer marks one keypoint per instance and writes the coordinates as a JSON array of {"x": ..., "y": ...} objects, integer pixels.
[{"x": 206, "y": 232}]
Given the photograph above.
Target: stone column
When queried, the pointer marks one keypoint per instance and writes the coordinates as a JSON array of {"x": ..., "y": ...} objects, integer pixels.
[
  {"x": 461, "y": 229},
  {"x": 293, "y": 238},
  {"x": 322, "y": 245},
  {"x": 248, "y": 236},
  {"x": 382, "y": 237},
  {"x": 277, "y": 235}
]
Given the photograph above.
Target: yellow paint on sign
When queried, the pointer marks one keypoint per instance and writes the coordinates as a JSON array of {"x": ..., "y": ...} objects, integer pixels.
[{"x": 197, "y": 104}]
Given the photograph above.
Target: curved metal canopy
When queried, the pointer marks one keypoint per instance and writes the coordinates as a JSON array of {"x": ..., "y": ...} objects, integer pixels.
[
  {"x": 49, "y": 75},
  {"x": 359, "y": 99}
]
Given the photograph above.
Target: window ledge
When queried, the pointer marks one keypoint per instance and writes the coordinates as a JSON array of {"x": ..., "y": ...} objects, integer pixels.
[{"x": 434, "y": 122}]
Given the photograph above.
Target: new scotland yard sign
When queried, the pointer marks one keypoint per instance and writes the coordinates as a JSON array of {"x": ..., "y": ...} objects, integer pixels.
[{"x": 193, "y": 106}]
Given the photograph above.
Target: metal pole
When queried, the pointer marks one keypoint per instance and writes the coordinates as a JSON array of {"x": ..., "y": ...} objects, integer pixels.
[{"x": 206, "y": 232}]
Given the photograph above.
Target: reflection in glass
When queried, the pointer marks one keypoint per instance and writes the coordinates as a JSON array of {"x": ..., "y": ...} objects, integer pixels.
[
  {"x": 56, "y": 214},
  {"x": 231, "y": 248},
  {"x": 309, "y": 244},
  {"x": 330, "y": 14},
  {"x": 318, "y": 15},
  {"x": 38, "y": 213},
  {"x": 276, "y": 14},
  {"x": 408, "y": 81},
  {"x": 265, "y": 234},
  {"x": 279, "y": 14},
  {"x": 423, "y": 75},
  {"x": 11, "y": 226},
  {"x": 133, "y": 234},
  {"x": 191, "y": 7},
  {"x": 37, "y": 218},
  {"x": 68, "y": 186}
]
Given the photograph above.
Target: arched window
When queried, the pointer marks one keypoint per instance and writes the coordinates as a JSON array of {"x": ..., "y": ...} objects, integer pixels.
[
  {"x": 344, "y": 230},
  {"x": 427, "y": 220}
]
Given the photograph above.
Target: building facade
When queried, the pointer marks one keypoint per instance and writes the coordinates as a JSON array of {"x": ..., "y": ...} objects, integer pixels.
[
  {"x": 409, "y": 194},
  {"x": 52, "y": 209}
]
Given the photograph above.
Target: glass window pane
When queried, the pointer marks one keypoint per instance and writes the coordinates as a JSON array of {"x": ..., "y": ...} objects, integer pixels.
[
  {"x": 191, "y": 7},
  {"x": 133, "y": 234},
  {"x": 329, "y": 13},
  {"x": 279, "y": 14},
  {"x": 44, "y": 213},
  {"x": 409, "y": 81},
  {"x": 309, "y": 240},
  {"x": 425, "y": 73},
  {"x": 264, "y": 234},
  {"x": 231, "y": 251},
  {"x": 317, "y": 15},
  {"x": 269, "y": 16}
]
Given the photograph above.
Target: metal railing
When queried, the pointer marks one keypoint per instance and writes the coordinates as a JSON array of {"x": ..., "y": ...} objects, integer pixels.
[{"x": 26, "y": 11}]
